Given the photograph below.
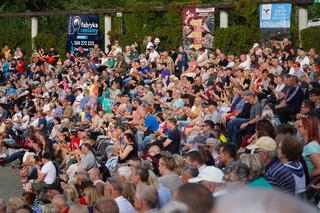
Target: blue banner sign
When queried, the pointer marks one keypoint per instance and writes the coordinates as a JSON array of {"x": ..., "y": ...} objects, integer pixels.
[
  {"x": 83, "y": 30},
  {"x": 275, "y": 16}
]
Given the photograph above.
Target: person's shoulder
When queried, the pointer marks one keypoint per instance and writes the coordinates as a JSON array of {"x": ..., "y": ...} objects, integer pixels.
[{"x": 312, "y": 146}]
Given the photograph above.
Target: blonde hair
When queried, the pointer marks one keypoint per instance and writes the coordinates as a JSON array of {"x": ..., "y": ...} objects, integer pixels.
[
  {"x": 153, "y": 180},
  {"x": 129, "y": 190},
  {"x": 91, "y": 195},
  {"x": 71, "y": 195},
  {"x": 14, "y": 203},
  {"x": 178, "y": 160},
  {"x": 255, "y": 165},
  {"x": 49, "y": 208}
]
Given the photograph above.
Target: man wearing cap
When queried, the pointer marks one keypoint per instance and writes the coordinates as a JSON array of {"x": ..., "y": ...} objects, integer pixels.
[
  {"x": 276, "y": 173},
  {"x": 235, "y": 126},
  {"x": 212, "y": 178}
]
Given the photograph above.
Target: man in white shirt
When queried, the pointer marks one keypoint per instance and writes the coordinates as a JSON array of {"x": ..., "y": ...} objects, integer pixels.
[
  {"x": 49, "y": 82},
  {"x": 302, "y": 58},
  {"x": 153, "y": 54},
  {"x": 194, "y": 158},
  {"x": 245, "y": 63},
  {"x": 46, "y": 175},
  {"x": 276, "y": 69},
  {"x": 23, "y": 122},
  {"x": 76, "y": 103},
  {"x": 113, "y": 188}
]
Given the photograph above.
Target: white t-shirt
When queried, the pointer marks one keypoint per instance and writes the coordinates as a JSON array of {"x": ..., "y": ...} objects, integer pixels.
[
  {"x": 153, "y": 56},
  {"x": 25, "y": 121},
  {"x": 303, "y": 61},
  {"x": 150, "y": 44},
  {"x": 245, "y": 65},
  {"x": 50, "y": 170},
  {"x": 34, "y": 122}
]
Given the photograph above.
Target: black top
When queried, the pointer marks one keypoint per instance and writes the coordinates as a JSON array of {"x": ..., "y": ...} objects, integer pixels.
[
  {"x": 133, "y": 153},
  {"x": 197, "y": 88},
  {"x": 175, "y": 137},
  {"x": 245, "y": 113}
]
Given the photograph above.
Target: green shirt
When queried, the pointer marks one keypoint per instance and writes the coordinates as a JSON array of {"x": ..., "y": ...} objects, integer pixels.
[{"x": 260, "y": 182}]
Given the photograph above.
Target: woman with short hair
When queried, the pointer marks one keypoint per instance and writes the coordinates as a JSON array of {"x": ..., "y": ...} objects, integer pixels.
[{"x": 256, "y": 171}]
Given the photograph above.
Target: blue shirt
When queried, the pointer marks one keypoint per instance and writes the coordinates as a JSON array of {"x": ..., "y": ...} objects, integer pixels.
[
  {"x": 294, "y": 99},
  {"x": 10, "y": 91},
  {"x": 310, "y": 148},
  {"x": 145, "y": 70},
  {"x": 151, "y": 123},
  {"x": 83, "y": 102},
  {"x": 280, "y": 176},
  {"x": 164, "y": 195},
  {"x": 177, "y": 102},
  {"x": 164, "y": 73},
  {"x": 42, "y": 121}
]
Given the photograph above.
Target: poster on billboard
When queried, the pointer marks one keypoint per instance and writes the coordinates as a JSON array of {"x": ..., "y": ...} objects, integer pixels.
[
  {"x": 198, "y": 27},
  {"x": 275, "y": 16},
  {"x": 275, "y": 21},
  {"x": 83, "y": 30}
]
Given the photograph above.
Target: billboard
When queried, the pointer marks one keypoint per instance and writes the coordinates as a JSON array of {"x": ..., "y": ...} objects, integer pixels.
[
  {"x": 198, "y": 27},
  {"x": 275, "y": 16},
  {"x": 83, "y": 30}
]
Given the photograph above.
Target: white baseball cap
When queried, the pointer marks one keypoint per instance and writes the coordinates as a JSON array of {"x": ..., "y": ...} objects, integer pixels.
[
  {"x": 210, "y": 174},
  {"x": 255, "y": 45}
]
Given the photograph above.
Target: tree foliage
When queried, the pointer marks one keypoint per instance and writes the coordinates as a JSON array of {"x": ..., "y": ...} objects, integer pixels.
[
  {"x": 311, "y": 38},
  {"x": 137, "y": 25},
  {"x": 235, "y": 39}
]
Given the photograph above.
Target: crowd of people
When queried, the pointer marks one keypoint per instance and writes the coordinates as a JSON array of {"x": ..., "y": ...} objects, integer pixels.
[{"x": 141, "y": 129}]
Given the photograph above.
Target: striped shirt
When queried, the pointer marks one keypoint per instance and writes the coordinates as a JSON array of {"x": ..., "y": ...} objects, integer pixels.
[{"x": 280, "y": 176}]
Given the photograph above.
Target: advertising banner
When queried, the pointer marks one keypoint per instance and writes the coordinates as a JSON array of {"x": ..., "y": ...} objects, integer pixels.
[
  {"x": 83, "y": 30},
  {"x": 275, "y": 16},
  {"x": 198, "y": 27}
]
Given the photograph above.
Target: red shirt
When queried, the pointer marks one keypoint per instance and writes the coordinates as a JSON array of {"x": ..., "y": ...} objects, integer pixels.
[
  {"x": 75, "y": 143},
  {"x": 20, "y": 66}
]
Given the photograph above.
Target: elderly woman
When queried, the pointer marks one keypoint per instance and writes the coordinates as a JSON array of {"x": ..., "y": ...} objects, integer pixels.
[
  {"x": 236, "y": 174},
  {"x": 256, "y": 171}
]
